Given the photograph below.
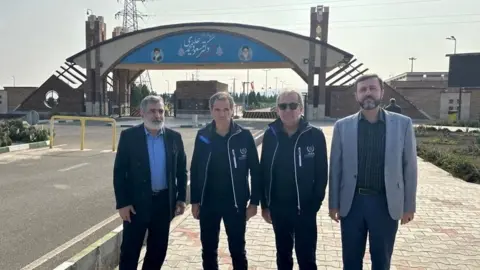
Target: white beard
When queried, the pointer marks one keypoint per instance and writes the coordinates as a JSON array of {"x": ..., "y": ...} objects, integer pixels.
[{"x": 153, "y": 126}]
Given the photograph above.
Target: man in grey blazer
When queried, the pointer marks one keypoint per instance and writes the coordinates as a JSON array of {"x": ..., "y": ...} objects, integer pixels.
[{"x": 373, "y": 177}]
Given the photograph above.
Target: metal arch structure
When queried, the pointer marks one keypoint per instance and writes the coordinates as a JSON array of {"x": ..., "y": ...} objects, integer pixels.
[{"x": 107, "y": 56}]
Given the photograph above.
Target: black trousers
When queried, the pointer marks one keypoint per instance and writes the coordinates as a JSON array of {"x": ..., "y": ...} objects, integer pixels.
[
  {"x": 368, "y": 216},
  {"x": 158, "y": 226},
  {"x": 291, "y": 227},
  {"x": 235, "y": 224}
]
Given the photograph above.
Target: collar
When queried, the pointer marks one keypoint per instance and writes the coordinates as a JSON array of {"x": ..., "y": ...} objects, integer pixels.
[
  {"x": 381, "y": 115},
  {"x": 233, "y": 127},
  {"x": 160, "y": 132}
]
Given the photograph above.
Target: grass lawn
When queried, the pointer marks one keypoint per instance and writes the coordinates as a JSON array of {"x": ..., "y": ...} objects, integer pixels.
[{"x": 456, "y": 152}]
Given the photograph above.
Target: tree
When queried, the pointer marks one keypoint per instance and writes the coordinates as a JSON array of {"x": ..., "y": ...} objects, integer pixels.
[{"x": 139, "y": 92}]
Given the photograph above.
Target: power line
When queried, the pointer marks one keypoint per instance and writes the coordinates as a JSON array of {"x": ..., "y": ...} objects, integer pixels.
[
  {"x": 249, "y": 11},
  {"x": 267, "y": 6}
]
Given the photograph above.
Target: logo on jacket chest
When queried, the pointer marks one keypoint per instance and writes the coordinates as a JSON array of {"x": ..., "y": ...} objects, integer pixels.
[
  {"x": 310, "y": 153},
  {"x": 243, "y": 154}
]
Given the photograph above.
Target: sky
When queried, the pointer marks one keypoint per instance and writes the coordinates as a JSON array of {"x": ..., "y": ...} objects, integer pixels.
[{"x": 37, "y": 36}]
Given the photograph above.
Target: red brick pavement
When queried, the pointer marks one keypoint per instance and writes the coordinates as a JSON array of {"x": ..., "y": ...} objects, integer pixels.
[{"x": 444, "y": 235}]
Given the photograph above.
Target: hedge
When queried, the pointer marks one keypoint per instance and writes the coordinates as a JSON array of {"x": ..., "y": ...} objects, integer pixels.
[{"x": 15, "y": 131}]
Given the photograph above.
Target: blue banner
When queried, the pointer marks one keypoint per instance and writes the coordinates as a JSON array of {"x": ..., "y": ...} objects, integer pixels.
[{"x": 202, "y": 47}]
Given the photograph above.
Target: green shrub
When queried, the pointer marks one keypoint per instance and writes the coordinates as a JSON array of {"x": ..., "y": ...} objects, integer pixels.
[
  {"x": 18, "y": 131},
  {"x": 458, "y": 165}
]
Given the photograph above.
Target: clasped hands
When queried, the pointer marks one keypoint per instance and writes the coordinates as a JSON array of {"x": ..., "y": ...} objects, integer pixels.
[
  {"x": 251, "y": 211},
  {"x": 126, "y": 212}
]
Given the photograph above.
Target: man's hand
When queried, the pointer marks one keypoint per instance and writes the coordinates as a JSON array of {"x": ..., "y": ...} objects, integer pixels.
[
  {"x": 251, "y": 211},
  {"x": 334, "y": 214},
  {"x": 266, "y": 216},
  {"x": 180, "y": 208},
  {"x": 196, "y": 210},
  {"x": 407, "y": 217},
  {"x": 125, "y": 213}
]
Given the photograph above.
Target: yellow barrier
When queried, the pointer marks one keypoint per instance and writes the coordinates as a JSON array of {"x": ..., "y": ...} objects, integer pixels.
[{"x": 82, "y": 120}]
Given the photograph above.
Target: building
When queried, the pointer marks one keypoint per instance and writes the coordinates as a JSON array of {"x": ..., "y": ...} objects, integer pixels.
[
  {"x": 16, "y": 95},
  {"x": 192, "y": 97},
  {"x": 3, "y": 101},
  {"x": 429, "y": 91}
]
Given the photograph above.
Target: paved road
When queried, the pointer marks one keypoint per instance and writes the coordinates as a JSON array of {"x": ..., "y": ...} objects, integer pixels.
[
  {"x": 444, "y": 235},
  {"x": 50, "y": 196}
]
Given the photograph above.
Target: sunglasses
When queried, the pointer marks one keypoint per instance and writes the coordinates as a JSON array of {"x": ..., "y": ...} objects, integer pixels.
[{"x": 292, "y": 106}]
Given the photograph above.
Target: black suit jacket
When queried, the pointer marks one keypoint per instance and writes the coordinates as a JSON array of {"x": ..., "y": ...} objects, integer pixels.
[{"x": 131, "y": 172}]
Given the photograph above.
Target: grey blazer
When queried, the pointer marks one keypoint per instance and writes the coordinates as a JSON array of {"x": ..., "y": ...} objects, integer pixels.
[{"x": 400, "y": 164}]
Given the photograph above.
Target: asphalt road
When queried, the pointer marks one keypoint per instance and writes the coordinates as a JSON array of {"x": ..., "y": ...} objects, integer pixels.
[{"x": 49, "y": 196}]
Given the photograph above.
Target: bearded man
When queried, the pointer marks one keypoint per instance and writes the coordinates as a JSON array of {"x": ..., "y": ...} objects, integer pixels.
[
  {"x": 150, "y": 181},
  {"x": 373, "y": 177}
]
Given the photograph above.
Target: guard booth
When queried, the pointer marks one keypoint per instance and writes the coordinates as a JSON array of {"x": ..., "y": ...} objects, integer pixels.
[{"x": 452, "y": 116}]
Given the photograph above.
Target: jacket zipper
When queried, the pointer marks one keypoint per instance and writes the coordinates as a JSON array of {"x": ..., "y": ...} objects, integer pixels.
[
  {"x": 295, "y": 166},
  {"x": 231, "y": 169},
  {"x": 300, "y": 156},
  {"x": 234, "y": 159},
  {"x": 271, "y": 175},
  {"x": 206, "y": 173}
]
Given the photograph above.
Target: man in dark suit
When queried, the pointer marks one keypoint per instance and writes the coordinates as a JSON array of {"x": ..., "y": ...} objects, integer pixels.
[
  {"x": 393, "y": 107},
  {"x": 150, "y": 181}
]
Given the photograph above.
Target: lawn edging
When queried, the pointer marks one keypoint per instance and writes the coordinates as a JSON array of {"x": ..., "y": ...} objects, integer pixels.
[{"x": 24, "y": 146}]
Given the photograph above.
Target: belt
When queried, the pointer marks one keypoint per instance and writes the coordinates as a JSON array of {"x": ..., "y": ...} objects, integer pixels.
[
  {"x": 159, "y": 192},
  {"x": 367, "y": 191}
]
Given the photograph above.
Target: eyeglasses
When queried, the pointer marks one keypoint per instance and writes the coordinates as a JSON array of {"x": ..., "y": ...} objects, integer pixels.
[{"x": 292, "y": 106}]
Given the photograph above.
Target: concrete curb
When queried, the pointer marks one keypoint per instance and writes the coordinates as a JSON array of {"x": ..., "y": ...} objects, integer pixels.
[
  {"x": 24, "y": 146},
  {"x": 105, "y": 253},
  {"x": 58, "y": 121}
]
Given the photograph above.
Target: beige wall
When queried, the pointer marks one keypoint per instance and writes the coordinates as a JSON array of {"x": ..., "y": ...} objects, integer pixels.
[
  {"x": 3, "y": 101},
  {"x": 450, "y": 101},
  {"x": 436, "y": 99},
  {"x": 294, "y": 48}
]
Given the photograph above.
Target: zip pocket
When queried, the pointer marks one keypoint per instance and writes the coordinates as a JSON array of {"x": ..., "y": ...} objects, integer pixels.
[
  {"x": 234, "y": 159},
  {"x": 300, "y": 156}
]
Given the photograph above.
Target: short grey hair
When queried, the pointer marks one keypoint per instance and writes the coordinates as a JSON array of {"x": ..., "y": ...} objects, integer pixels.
[
  {"x": 221, "y": 96},
  {"x": 291, "y": 92},
  {"x": 150, "y": 100}
]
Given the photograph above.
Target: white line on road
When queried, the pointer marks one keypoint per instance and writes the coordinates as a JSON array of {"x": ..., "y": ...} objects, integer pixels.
[
  {"x": 68, "y": 244},
  {"x": 73, "y": 167}
]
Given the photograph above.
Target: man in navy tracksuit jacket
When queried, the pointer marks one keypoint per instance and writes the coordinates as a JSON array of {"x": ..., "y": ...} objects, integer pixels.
[
  {"x": 294, "y": 168},
  {"x": 219, "y": 183}
]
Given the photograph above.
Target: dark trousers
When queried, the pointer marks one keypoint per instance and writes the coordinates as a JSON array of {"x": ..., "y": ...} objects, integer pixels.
[
  {"x": 158, "y": 226},
  {"x": 235, "y": 223},
  {"x": 369, "y": 214},
  {"x": 290, "y": 226}
]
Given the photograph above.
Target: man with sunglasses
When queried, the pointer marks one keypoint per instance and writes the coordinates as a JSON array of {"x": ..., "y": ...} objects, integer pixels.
[
  {"x": 295, "y": 170},
  {"x": 150, "y": 181}
]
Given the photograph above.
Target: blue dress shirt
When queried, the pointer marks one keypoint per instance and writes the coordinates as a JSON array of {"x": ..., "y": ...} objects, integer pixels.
[{"x": 157, "y": 159}]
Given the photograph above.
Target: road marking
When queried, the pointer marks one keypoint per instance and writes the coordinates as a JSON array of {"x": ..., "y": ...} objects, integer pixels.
[
  {"x": 70, "y": 243},
  {"x": 73, "y": 167}
]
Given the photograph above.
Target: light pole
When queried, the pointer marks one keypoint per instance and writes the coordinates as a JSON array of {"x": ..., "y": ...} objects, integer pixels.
[
  {"x": 412, "y": 59},
  {"x": 168, "y": 86},
  {"x": 13, "y": 77},
  {"x": 454, "y": 43},
  {"x": 266, "y": 80}
]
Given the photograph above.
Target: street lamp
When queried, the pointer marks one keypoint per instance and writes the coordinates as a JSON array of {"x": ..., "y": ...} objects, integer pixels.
[{"x": 454, "y": 43}]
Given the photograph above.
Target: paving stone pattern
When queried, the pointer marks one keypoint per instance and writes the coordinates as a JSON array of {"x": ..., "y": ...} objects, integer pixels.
[{"x": 444, "y": 235}]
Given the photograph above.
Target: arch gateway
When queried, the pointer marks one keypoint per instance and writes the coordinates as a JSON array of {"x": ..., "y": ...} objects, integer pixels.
[{"x": 196, "y": 46}]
